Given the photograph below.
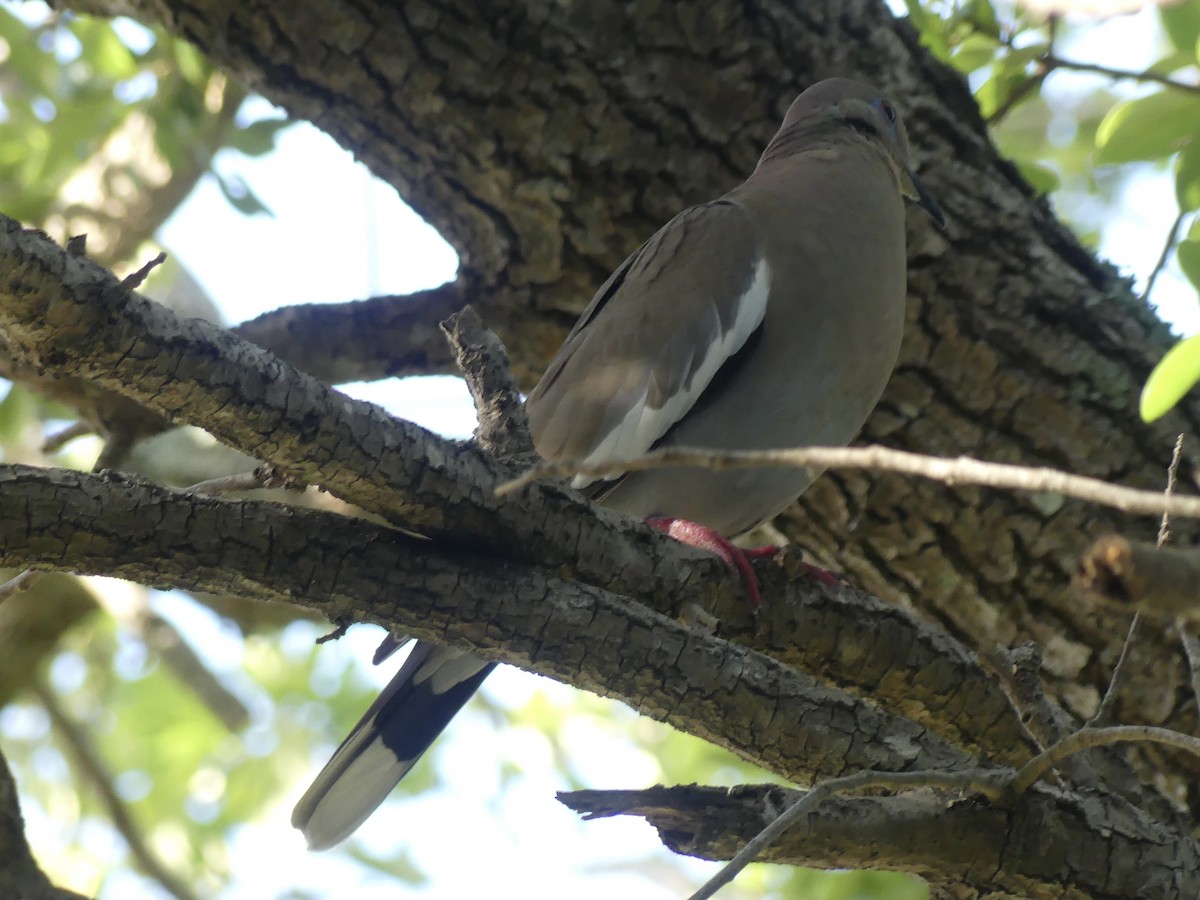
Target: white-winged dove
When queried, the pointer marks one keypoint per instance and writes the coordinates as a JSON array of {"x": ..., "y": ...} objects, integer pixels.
[{"x": 771, "y": 317}]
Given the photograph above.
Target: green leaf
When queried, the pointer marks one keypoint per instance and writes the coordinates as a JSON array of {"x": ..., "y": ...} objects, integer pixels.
[
  {"x": 1150, "y": 127},
  {"x": 982, "y": 15},
  {"x": 930, "y": 27},
  {"x": 103, "y": 49},
  {"x": 997, "y": 90},
  {"x": 238, "y": 193},
  {"x": 1188, "y": 254},
  {"x": 258, "y": 138},
  {"x": 36, "y": 70},
  {"x": 16, "y": 410},
  {"x": 974, "y": 53},
  {"x": 1187, "y": 177},
  {"x": 191, "y": 63},
  {"x": 1042, "y": 179},
  {"x": 1181, "y": 21},
  {"x": 1175, "y": 375}
]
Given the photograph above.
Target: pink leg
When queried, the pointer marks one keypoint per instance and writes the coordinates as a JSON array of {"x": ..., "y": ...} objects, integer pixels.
[
  {"x": 703, "y": 537},
  {"x": 827, "y": 578}
]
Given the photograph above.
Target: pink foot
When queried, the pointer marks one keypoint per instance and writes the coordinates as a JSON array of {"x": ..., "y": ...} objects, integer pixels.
[
  {"x": 827, "y": 578},
  {"x": 704, "y": 538}
]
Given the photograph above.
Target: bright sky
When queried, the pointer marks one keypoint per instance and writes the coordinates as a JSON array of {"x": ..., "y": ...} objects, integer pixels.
[{"x": 336, "y": 235}]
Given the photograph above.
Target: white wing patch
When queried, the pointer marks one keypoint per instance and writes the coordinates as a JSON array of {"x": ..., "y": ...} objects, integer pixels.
[
  {"x": 351, "y": 793},
  {"x": 447, "y": 667},
  {"x": 642, "y": 425}
]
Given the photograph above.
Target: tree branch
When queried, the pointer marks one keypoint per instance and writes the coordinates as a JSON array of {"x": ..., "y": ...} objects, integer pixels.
[
  {"x": 20, "y": 876},
  {"x": 1087, "y": 738},
  {"x": 503, "y": 430},
  {"x": 960, "y": 843},
  {"x": 70, "y": 316},
  {"x": 382, "y": 337},
  {"x": 203, "y": 375},
  {"x": 959, "y": 471},
  {"x": 1162, "y": 581},
  {"x": 94, "y": 772},
  {"x": 126, "y": 527}
]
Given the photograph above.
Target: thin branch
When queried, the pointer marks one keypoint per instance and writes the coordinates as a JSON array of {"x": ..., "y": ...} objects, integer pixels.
[
  {"x": 1168, "y": 246},
  {"x": 1018, "y": 673},
  {"x": 18, "y": 583},
  {"x": 1133, "y": 635},
  {"x": 1087, "y": 738},
  {"x": 161, "y": 636},
  {"x": 61, "y": 438},
  {"x": 1188, "y": 636},
  {"x": 1057, "y": 62},
  {"x": 228, "y": 484},
  {"x": 1191, "y": 649},
  {"x": 503, "y": 426},
  {"x": 1019, "y": 93},
  {"x": 1164, "y": 527},
  {"x": 1104, "y": 710},
  {"x": 392, "y": 336},
  {"x": 1164, "y": 581},
  {"x": 134, "y": 280},
  {"x": 264, "y": 476},
  {"x": 982, "y": 781},
  {"x": 20, "y": 875},
  {"x": 956, "y": 471},
  {"x": 94, "y": 771}
]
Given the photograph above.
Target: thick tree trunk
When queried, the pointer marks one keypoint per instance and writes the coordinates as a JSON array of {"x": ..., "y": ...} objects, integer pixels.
[{"x": 546, "y": 139}]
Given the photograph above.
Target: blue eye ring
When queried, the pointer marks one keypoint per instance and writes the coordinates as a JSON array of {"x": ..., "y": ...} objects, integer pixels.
[{"x": 889, "y": 111}]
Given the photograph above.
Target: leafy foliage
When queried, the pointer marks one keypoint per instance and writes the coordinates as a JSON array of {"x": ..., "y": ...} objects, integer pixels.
[{"x": 1009, "y": 57}]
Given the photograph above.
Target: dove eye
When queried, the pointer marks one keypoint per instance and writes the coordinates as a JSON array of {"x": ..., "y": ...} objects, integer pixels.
[{"x": 889, "y": 111}]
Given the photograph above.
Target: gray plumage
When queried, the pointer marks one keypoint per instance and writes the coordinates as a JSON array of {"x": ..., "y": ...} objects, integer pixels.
[
  {"x": 684, "y": 346},
  {"x": 770, "y": 317}
]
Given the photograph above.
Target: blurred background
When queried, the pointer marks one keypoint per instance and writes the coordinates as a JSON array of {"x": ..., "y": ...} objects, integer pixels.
[{"x": 159, "y": 740}]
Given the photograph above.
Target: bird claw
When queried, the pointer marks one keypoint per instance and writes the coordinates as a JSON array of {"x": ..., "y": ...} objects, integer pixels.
[
  {"x": 704, "y": 538},
  {"x": 824, "y": 576}
]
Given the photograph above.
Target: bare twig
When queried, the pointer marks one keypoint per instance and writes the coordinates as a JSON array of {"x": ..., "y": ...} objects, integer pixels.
[
  {"x": 116, "y": 447},
  {"x": 94, "y": 771},
  {"x": 503, "y": 427},
  {"x": 1109, "y": 701},
  {"x": 1019, "y": 93},
  {"x": 265, "y": 476},
  {"x": 1087, "y": 738},
  {"x": 60, "y": 439},
  {"x": 160, "y": 635},
  {"x": 18, "y": 583},
  {"x": 984, "y": 781},
  {"x": 1164, "y": 527},
  {"x": 1164, "y": 581},
  {"x": 1168, "y": 245},
  {"x": 1185, "y": 626},
  {"x": 1057, "y": 62},
  {"x": 960, "y": 470},
  {"x": 133, "y": 281},
  {"x": 228, "y": 484},
  {"x": 1104, "y": 710},
  {"x": 1019, "y": 673},
  {"x": 1191, "y": 649}
]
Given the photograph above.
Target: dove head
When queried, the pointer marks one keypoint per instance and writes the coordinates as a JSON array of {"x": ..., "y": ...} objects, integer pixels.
[{"x": 837, "y": 110}]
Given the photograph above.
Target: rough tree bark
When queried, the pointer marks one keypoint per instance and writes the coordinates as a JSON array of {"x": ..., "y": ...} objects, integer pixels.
[{"x": 545, "y": 140}]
